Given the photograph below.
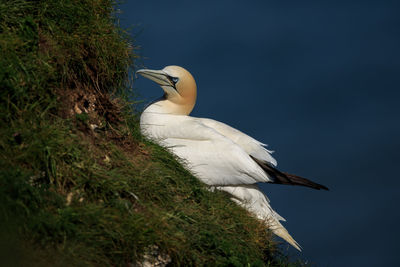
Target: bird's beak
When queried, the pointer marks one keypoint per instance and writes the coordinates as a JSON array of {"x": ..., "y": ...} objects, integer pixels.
[{"x": 158, "y": 76}]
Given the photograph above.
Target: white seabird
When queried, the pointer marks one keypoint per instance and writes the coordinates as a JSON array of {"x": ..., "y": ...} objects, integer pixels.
[{"x": 217, "y": 154}]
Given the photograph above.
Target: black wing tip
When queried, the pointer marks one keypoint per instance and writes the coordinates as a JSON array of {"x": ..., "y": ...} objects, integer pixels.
[
  {"x": 325, "y": 188},
  {"x": 287, "y": 178},
  {"x": 320, "y": 186},
  {"x": 298, "y": 180}
]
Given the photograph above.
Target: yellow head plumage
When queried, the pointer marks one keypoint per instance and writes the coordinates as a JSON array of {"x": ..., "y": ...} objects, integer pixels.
[{"x": 179, "y": 87}]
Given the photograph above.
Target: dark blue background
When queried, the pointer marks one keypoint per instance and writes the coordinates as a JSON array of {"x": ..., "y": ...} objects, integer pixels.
[{"x": 317, "y": 81}]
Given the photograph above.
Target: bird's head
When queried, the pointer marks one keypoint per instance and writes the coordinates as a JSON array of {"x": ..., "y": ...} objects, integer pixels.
[{"x": 178, "y": 85}]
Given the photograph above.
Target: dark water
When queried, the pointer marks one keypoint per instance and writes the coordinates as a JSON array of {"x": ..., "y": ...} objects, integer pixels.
[{"x": 320, "y": 83}]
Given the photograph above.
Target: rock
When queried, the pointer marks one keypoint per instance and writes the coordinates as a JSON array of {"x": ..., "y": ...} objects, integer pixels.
[
  {"x": 77, "y": 109},
  {"x": 153, "y": 257}
]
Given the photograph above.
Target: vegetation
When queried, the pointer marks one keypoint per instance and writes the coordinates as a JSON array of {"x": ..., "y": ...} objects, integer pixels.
[{"x": 79, "y": 185}]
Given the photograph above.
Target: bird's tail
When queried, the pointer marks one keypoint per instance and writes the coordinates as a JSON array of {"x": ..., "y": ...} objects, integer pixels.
[
  {"x": 277, "y": 228},
  {"x": 251, "y": 198}
]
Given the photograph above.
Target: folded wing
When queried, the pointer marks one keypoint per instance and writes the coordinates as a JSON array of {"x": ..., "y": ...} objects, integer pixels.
[
  {"x": 211, "y": 156},
  {"x": 250, "y": 145}
]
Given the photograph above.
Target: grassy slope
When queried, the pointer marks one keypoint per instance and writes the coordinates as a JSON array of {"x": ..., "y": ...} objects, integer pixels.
[{"x": 71, "y": 195}]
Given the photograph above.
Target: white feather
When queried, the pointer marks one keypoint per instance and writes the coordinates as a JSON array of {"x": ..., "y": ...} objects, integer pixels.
[
  {"x": 209, "y": 155},
  {"x": 250, "y": 145}
]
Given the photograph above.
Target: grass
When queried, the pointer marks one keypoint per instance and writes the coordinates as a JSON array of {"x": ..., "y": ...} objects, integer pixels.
[{"x": 79, "y": 185}]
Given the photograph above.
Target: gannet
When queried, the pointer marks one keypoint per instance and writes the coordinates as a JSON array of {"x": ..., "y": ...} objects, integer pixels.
[{"x": 219, "y": 155}]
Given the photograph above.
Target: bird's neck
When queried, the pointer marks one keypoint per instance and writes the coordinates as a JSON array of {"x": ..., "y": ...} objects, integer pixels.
[{"x": 166, "y": 106}]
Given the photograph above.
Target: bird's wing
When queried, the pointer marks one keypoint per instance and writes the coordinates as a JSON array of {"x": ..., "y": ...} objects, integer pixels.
[
  {"x": 212, "y": 157},
  {"x": 250, "y": 145}
]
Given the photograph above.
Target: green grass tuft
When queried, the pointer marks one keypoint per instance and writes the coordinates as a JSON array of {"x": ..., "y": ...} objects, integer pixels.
[{"x": 79, "y": 185}]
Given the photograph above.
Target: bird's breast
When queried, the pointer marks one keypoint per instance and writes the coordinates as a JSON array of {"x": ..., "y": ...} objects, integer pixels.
[{"x": 157, "y": 124}]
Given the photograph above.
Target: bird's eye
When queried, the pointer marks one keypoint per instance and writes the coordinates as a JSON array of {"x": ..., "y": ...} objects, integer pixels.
[{"x": 175, "y": 79}]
